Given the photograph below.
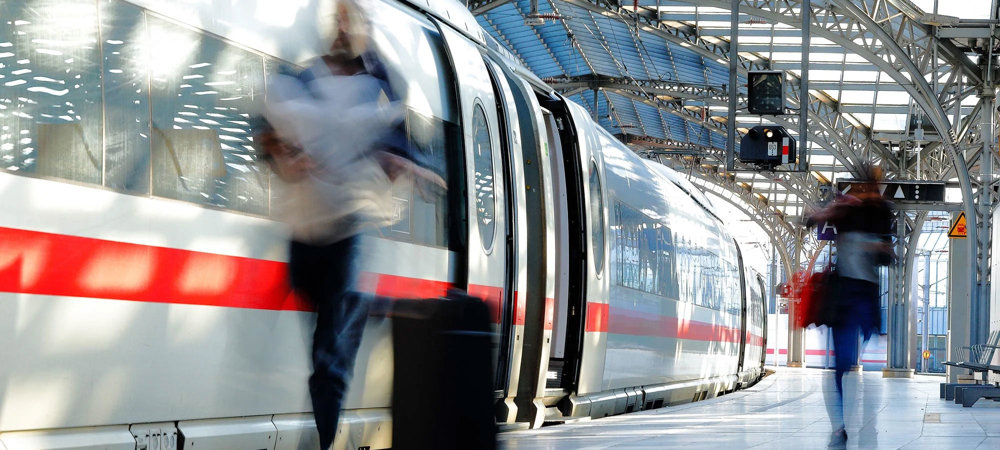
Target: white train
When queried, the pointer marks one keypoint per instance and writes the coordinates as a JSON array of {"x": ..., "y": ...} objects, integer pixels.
[{"x": 143, "y": 294}]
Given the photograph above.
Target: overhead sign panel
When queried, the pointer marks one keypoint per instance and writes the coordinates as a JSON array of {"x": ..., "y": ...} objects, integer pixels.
[{"x": 903, "y": 191}]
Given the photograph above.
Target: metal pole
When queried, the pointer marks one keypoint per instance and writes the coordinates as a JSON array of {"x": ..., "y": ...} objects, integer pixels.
[
  {"x": 829, "y": 346},
  {"x": 829, "y": 331},
  {"x": 734, "y": 90},
  {"x": 897, "y": 330},
  {"x": 796, "y": 335},
  {"x": 927, "y": 310},
  {"x": 595, "y": 105},
  {"x": 804, "y": 93},
  {"x": 773, "y": 269}
]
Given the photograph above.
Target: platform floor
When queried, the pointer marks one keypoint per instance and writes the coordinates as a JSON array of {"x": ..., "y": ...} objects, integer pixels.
[{"x": 788, "y": 410}]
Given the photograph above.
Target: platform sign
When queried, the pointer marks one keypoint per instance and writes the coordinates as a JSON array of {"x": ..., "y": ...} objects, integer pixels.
[
  {"x": 903, "y": 191},
  {"x": 826, "y": 232},
  {"x": 958, "y": 228}
]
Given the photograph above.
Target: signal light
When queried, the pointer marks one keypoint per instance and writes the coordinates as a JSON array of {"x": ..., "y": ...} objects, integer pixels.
[
  {"x": 766, "y": 93},
  {"x": 767, "y": 147}
]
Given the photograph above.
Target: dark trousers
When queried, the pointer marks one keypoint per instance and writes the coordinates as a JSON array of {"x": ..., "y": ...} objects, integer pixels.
[
  {"x": 858, "y": 314},
  {"x": 327, "y": 275}
]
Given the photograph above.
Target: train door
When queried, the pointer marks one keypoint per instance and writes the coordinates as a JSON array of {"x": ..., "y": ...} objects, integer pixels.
[
  {"x": 507, "y": 365},
  {"x": 561, "y": 308},
  {"x": 488, "y": 222},
  {"x": 744, "y": 323},
  {"x": 536, "y": 239},
  {"x": 571, "y": 268},
  {"x": 763, "y": 321}
]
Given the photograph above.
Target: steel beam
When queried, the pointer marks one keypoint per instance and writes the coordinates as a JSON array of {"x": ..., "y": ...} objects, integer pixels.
[
  {"x": 734, "y": 90},
  {"x": 484, "y": 6},
  {"x": 803, "y": 150}
]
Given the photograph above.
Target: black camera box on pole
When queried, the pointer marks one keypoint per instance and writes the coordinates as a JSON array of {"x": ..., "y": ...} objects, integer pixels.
[
  {"x": 443, "y": 382},
  {"x": 767, "y": 147}
]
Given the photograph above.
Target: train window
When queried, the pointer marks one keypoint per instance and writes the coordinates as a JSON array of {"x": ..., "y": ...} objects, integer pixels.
[
  {"x": 665, "y": 283},
  {"x": 50, "y": 89},
  {"x": 203, "y": 92},
  {"x": 421, "y": 208},
  {"x": 597, "y": 217},
  {"x": 482, "y": 155},
  {"x": 429, "y": 137},
  {"x": 645, "y": 253},
  {"x": 125, "y": 50}
]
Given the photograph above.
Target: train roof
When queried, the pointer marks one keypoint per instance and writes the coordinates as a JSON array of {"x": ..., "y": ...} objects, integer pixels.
[{"x": 685, "y": 185}]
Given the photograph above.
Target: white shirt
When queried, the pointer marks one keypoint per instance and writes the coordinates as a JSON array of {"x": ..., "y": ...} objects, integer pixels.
[{"x": 336, "y": 120}]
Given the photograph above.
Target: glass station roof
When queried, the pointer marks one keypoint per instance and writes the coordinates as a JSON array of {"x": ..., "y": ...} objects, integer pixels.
[{"x": 582, "y": 40}]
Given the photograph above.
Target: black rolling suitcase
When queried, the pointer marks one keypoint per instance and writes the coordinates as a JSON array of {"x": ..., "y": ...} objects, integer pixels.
[{"x": 443, "y": 383}]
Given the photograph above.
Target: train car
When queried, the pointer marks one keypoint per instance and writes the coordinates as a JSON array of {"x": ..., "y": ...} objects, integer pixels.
[
  {"x": 754, "y": 329},
  {"x": 143, "y": 296}
]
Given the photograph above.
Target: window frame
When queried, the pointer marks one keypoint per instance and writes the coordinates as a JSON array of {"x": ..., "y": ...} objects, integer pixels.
[{"x": 479, "y": 109}]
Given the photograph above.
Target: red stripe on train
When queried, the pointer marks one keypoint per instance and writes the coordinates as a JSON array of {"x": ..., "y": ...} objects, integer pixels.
[
  {"x": 38, "y": 263},
  {"x": 550, "y": 311},
  {"x": 753, "y": 339},
  {"x": 597, "y": 317}
]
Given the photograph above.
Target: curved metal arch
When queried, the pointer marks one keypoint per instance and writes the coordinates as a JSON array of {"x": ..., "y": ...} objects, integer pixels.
[
  {"x": 849, "y": 35},
  {"x": 939, "y": 119},
  {"x": 916, "y": 85}
]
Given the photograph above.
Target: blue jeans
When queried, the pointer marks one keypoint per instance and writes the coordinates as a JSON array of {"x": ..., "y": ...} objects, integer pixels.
[
  {"x": 845, "y": 345},
  {"x": 327, "y": 276}
]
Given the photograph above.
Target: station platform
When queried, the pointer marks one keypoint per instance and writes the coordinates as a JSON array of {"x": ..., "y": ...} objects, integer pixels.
[{"x": 788, "y": 410}]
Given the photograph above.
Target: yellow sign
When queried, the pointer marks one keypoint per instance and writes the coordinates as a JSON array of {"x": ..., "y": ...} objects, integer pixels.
[
  {"x": 927, "y": 354},
  {"x": 958, "y": 228}
]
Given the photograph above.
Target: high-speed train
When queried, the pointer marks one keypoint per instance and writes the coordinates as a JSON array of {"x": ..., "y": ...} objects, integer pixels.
[{"x": 143, "y": 296}]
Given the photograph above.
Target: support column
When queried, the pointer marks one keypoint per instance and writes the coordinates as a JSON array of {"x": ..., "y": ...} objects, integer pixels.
[
  {"x": 980, "y": 328},
  {"x": 596, "y": 120},
  {"x": 796, "y": 334},
  {"x": 901, "y": 330},
  {"x": 773, "y": 276},
  {"x": 959, "y": 291},
  {"x": 927, "y": 309}
]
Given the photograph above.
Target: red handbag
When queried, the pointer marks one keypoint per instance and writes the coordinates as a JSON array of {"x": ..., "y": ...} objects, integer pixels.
[{"x": 814, "y": 293}]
